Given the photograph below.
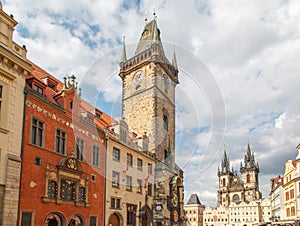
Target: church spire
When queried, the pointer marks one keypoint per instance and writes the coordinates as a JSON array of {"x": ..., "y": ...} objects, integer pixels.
[
  {"x": 225, "y": 165},
  {"x": 123, "y": 55},
  {"x": 249, "y": 159}
]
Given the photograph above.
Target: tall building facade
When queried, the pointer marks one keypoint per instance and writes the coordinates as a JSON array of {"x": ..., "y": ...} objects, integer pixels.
[
  {"x": 129, "y": 178},
  {"x": 232, "y": 188},
  {"x": 13, "y": 70},
  {"x": 63, "y": 158},
  {"x": 277, "y": 199},
  {"x": 148, "y": 106}
]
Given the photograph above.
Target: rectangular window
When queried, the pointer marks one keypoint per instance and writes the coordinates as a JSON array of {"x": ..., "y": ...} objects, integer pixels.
[
  {"x": 149, "y": 192},
  {"x": 139, "y": 186},
  {"x": 140, "y": 164},
  {"x": 37, "y": 132},
  {"x": 128, "y": 183},
  {"x": 129, "y": 159},
  {"x": 93, "y": 220},
  {"x": 116, "y": 154},
  {"x": 38, "y": 161},
  {"x": 115, "y": 203},
  {"x": 38, "y": 89},
  {"x": 288, "y": 212},
  {"x": 80, "y": 149},
  {"x": 293, "y": 212},
  {"x": 115, "y": 179},
  {"x": 60, "y": 142},
  {"x": 150, "y": 168},
  {"x": 287, "y": 196},
  {"x": 26, "y": 219},
  {"x": 118, "y": 203},
  {"x": 96, "y": 156},
  {"x": 292, "y": 193}
]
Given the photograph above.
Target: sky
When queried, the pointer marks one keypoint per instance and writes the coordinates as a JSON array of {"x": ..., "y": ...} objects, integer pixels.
[{"x": 238, "y": 70}]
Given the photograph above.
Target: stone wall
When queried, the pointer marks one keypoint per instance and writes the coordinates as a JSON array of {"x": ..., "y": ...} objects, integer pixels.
[{"x": 11, "y": 191}]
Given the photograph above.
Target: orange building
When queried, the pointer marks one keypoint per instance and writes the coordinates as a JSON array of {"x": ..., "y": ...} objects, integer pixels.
[{"x": 63, "y": 157}]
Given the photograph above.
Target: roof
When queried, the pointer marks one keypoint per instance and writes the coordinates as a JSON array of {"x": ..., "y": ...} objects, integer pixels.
[
  {"x": 193, "y": 200},
  {"x": 40, "y": 74},
  {"x": 150, "y": 35}
]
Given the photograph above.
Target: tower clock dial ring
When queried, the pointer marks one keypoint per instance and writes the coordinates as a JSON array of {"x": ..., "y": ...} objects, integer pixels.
[
  {"x": 175, "y": 216},
  {"x": 138, "y": 77},
  {"x": 175, "y": 200}
]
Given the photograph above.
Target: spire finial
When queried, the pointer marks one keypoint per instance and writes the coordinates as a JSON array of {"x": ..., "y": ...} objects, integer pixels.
[
  {"x": 123, "y": 55},
  {"x": 154, "y": 13}
]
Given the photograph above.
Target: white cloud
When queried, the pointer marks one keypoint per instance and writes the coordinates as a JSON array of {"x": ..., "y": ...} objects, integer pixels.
[{"x": 251, "y": 50}]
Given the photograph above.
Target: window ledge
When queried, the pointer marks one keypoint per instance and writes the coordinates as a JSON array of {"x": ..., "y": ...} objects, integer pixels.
[{"x": 60, "y": 201}]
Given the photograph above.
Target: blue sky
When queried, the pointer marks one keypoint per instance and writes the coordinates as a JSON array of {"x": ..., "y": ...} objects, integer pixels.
[{"x": 247, "y": 63}]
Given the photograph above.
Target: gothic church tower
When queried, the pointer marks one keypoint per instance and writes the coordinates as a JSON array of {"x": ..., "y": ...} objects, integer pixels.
[
  {"x": 249, "y": 172},
  {"x": 232, "y": 188}
]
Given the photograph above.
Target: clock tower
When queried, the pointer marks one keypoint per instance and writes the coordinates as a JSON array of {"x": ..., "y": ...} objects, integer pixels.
[
  {"x": 148, "y": 107},
  {"x": 148, "y": 99}
]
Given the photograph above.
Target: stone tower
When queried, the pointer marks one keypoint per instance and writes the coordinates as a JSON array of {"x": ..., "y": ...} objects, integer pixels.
[
  {"x": 249, "y": 172},
  {"x": 148, "y": 98},
  {"x": 148, "y": 106}
]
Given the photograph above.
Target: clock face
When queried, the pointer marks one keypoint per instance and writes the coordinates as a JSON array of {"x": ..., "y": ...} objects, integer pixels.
[
  {"x": 166, "y": 81},
  {"x": 158, "y": 207},
  {"x": 138, "y": 77},
  {"x": 175, "y": 216}
]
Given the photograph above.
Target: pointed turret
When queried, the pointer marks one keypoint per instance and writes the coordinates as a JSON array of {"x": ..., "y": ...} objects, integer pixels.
[
  {"x": 225, "y": 166},
  {"x": 123, "y": 55},
  {"x": 174, "y": 61},
  {"x": 150, "y": 36},
  {"x": 249, "y": 160}
]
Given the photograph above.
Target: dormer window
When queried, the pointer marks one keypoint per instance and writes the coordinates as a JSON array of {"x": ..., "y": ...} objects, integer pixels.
[
  {"x": 37, "y": 89},
  {"x": 98, "y": 115},
  {"x": 51, "y": 86}
]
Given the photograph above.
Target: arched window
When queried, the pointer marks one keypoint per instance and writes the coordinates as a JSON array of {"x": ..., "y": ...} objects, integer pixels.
[
  {"x": 224, "y": 182},
  {"x": 248, "y": 178},
  {"x": 166, "y": 122}
]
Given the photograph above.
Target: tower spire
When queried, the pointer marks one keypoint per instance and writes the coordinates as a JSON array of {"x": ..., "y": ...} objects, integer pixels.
[
  {"x": 123, "y": 55},
  {"x": 174, "y": 61}
]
